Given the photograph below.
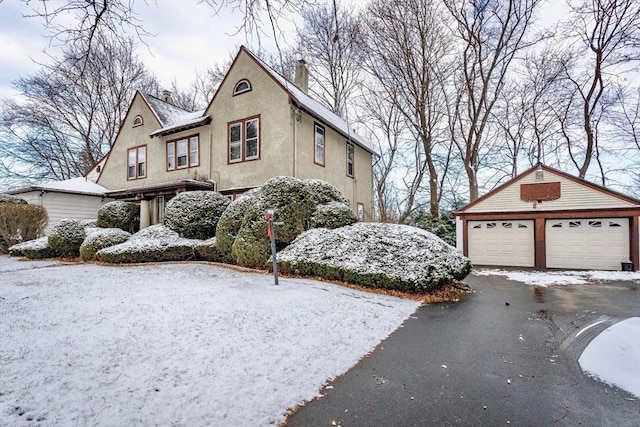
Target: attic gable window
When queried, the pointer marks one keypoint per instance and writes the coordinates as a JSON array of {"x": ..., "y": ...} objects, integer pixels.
[
  {"x": 137, "y": 162},
  {"x": 137, "y": 121},
  {"x": 241, "y": 87},
  {"x": 318, "y": 156},
  {"x": 244, "y": 140}
]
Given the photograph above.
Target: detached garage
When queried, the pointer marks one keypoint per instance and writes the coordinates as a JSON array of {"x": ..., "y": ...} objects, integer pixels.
[{"x": 545, "y": 218}]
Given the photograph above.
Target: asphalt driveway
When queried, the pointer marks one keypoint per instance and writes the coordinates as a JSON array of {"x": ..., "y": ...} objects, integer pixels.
[{"x": 506, "y": 354}]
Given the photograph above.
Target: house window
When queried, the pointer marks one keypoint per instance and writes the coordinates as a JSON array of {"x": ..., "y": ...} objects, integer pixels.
[
  {"x": 137, "y": 162},
  {"x": 137, "y": 121},
  {"x": 350, "y": 149},
  {"x": 597, "y": 224},
  {"x": 574, "y": 224},
  {"x": 491, "y": 225},
  {"x": 241, "y": 87},
  {"x": 522, "y": 225},
  {"x": 507, "y": 225},
  {"x": 319, "y": 145},
  {"x": 614, "y": 224},
  {"x": 159, "y": 209},
  {"x": 361, "y": 211},
  {"x": 183, "y": 153},
  {"x": 557, "y": 225},
  {"x": 244, "y": 140}
]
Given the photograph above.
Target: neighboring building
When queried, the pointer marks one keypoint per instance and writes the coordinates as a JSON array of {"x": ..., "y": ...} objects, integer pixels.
[
  {"x": 257, "y": 126},
  {"x": 77, "y": 198},
  {"x": 545, "y": 218}
]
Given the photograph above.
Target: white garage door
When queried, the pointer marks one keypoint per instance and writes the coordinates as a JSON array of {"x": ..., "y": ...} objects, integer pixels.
[
  {"x": 594, "y": 244},
  {"x": 508, "y": 243}
]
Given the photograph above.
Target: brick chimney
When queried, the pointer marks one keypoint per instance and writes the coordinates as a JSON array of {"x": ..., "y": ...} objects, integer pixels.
[
  {"x": 166, "y": 96},
  {"x": 302, "y": 76}
]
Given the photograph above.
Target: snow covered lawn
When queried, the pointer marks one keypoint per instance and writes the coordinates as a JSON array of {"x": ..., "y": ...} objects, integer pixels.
[{"x": 174, "y": 344}]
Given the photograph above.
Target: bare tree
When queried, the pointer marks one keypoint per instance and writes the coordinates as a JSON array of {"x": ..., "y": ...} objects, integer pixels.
[
  {"x": 492, "y": 32},
  {"x": 606, "y": 33},
  {"x": 408, "y": 44},
  {"x": 331, "y": 41},
  {"x": 70, "y": 111}
]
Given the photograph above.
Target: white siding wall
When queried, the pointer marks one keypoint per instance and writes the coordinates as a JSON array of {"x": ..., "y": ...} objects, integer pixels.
[
  {"x": 64, "y": 205},
  {"x": 572, "y": 196},
  {"x": 459, "y": 234}
]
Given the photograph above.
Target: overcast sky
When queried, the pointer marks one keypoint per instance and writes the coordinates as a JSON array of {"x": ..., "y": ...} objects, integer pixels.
[{"x": 188, "y": 38}]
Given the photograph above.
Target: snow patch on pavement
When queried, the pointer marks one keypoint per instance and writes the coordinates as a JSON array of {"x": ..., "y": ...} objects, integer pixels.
[
  {"x": 548, "y": 278},
  {"x": 613, "y": 357},
  {"x": 175, "y": 344}
]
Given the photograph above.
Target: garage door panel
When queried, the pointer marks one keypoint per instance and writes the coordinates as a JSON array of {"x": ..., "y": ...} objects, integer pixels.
[
  {"x": 505, "y": 243},
  {"x": 601, "y": 243}
]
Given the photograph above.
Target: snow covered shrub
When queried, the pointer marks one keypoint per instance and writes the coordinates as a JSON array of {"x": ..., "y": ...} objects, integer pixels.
[
  {"x": 195, "y": 214},
  {"x": 89, "y": 223},
  {"x": 152, "y": 244},
  {"x": 33, "y": 249},
  {"x": 292, "y": 204},
  {"x": 100, "y": 238},
  {"x": 119, "y": 214},
  {"x": 230, "y": 223},
  {"x": 324, "y": 192},
  {"x": 208, "y": 250},
  {"x": 333, "y": 215},
  {"x": 20, "y": 222},
  {"x": 389, "y": 256},
  {"x": 66, "y": 237},
  {"x": 7, "y": 198}
]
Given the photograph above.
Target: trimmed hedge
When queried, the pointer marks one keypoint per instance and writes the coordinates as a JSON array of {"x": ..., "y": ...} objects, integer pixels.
[
  {"x": 388, "y": 256},
  {"x": 119, "y": 214},
  {"x": 100, "y": 238},
  {"x": 152, "y": 244},
  {"x": 324, "y": 192},
  {"x": 230, "y": 223},
  {"x": 195, "y": 214},
  {"x": 208, "y": 250},
  {"x": 66, "y": 238},
  {"x": 333, "y": 215},
  {"x": 33, "y": 249}
]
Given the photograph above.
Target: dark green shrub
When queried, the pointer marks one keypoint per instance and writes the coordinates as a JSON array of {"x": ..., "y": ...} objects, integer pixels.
[
  {"x": 443, "y": 226},
  {"x": 100, "y": 238},
  {"x": 119, "y": 214},
  {"x": 33, "y": 249},
  {"x": 208, "y": 250},
  {"x": 152, "y": 244},
  {"x": 66, "y": 238},
  {"x": 324, "y": 192},
  {"x": 20, "y": 222},
  {"x": 230, "y": 223},
  {"x": 195, "y": 214},
  {"x": 333, "y": 215}
]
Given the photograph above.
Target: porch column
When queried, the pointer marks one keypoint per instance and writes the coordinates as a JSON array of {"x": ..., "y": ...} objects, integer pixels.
[{"x": 145, "y": 214}]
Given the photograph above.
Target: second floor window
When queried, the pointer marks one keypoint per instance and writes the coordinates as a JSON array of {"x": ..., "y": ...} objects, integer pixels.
[
  {"x": 183, "y": 153},
  {"x": 244, "y": 140},
  {"x": 137, "y": 162},
  {"x": 319, "y": 145},
  {"x": 350, "y": 150}
]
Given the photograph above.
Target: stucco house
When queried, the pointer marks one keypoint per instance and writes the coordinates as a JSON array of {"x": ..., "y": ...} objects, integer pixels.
[
  {"x": 77, "y": 198},
  {"x": 258, "y": 125},
  {"x": 545, "y": 218}
]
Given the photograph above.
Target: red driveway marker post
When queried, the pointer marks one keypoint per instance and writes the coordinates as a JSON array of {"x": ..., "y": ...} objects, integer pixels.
[{"x": 272, "y": 236}]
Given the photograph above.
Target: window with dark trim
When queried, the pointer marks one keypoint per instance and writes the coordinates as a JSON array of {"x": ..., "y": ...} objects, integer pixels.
[
  {"x": 137, "y": 121},
  {"x": 137, "y": 162},
  {"x": 318, "y": 143},
  {"x": 350, "y": 151},
  {"x": 183, "y": 153},
  {"x": 242, "y": 86},
  {"x": 244, "y": 140}
]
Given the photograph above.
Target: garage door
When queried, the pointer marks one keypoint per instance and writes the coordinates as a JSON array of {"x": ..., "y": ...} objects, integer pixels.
[
  {"x": 594, "y": 244},
  {"x": 508, "y": 243}
]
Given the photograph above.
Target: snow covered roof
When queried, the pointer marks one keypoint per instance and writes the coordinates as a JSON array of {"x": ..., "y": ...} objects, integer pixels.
[
  {"x": 191, "y": 184},
  {"x": 80, "y": 185},
  {"x": 314, "y": 107},
  {"x": 173, "y": 118}
]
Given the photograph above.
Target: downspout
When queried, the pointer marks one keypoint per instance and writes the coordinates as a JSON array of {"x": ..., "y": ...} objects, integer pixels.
[{"x": 297, "y": 116}]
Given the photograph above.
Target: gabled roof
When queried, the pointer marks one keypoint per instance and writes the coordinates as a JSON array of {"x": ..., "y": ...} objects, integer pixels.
[
  {"x": 78, "y": 185},
  {"x": 308, "y": 104},
  {"x": 579, "y": 181},
  {"x": 173, "y": 118}
]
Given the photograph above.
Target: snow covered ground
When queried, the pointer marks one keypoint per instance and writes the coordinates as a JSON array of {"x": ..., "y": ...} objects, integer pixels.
[
  {"x": 548, "y": 278},
  {"x": 174, "y": 344}
]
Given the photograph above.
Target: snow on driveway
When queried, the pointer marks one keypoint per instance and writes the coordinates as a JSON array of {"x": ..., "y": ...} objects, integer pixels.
[
  {"x": 547, "y": 278},
  {"x": 174, "y": 344}
]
